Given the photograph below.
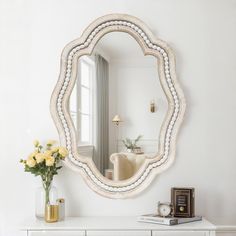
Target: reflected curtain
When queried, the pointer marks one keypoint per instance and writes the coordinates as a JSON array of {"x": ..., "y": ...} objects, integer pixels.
[{"x": 101, "y": 157}]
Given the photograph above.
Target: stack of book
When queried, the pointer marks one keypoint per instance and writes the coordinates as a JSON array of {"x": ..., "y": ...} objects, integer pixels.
[{"x": 156, "y": 219}]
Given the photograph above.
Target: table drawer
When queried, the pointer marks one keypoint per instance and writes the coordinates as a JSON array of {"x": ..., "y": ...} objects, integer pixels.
[
  {"x": 56, "y": 233},
  {"x": 119, "y": 233},
  {"x": 179, "y": 233}
]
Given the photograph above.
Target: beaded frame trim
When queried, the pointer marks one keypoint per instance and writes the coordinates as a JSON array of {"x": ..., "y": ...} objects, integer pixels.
[{"x": 174, "y": 96}]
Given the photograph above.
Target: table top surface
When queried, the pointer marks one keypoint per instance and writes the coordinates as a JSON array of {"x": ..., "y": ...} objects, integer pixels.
[{"x": 110, "y": 223}]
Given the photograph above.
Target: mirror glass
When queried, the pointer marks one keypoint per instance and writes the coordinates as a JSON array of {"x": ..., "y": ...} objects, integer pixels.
[{"x": 118, "y": 106}]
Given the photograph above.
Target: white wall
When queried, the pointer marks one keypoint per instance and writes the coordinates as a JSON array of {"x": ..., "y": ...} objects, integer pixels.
[{"x": 202, "y": 34}]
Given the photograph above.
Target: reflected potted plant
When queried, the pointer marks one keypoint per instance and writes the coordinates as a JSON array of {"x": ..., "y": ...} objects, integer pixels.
[
  {"x": 131, "y": 145},
  {"x": 44, "y": 162}
]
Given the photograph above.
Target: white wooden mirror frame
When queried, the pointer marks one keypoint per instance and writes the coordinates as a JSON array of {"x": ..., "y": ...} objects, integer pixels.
[{"x": 170, "y": 127}]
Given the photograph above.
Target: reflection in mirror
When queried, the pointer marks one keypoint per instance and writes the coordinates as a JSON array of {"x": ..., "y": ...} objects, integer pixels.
[{"x": 118, "y": 106}]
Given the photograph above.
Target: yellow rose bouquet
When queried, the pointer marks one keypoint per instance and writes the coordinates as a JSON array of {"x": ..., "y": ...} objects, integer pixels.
[{"x": 44, "y": 162}]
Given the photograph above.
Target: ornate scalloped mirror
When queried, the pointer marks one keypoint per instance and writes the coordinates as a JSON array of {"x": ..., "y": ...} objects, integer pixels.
[{"x": 118, "y": 106}]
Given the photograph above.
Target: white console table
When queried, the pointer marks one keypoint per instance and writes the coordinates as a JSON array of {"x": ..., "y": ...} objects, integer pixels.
[{"x": 114, "y": 226}]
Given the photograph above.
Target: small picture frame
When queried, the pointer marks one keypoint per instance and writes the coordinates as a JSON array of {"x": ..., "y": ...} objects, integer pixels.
[{"x": 183, "y": 201}]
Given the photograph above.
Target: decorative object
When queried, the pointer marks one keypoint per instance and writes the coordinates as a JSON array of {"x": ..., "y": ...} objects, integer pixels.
[
  {"x": 138, "y": 150},
  {"x": 131, "y": 145},
  {"x": 51, "y": 213},
  {"x": 152, "y": 106},
  {"x": 44, "y": 162},
  {"x": 170, "y": 126},
  {"x": 183, "y": 201},
  {"x": 117, "y": 120},
  {"x": 164, "y": 209},
  {"x": 61, "y": 208},
  {"x": 40, "y": 200}
]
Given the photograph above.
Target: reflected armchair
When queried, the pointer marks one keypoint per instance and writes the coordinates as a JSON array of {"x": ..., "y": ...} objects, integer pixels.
[{"x": 126, "y": 165}]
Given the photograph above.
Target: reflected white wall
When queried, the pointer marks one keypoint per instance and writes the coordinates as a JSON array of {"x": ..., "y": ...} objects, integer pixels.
[{"x": 131, "y": 101}]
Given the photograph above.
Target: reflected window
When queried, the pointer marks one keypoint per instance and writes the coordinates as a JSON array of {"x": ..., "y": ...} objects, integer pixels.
[{"x": 82, "y": 102}]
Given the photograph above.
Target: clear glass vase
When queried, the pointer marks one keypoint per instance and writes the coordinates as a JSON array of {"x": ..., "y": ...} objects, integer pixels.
[{"x": 41, "y": 197}]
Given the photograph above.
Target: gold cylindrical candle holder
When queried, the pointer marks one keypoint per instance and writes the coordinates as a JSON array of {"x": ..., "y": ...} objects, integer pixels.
[{"x": 51, "y": 213}]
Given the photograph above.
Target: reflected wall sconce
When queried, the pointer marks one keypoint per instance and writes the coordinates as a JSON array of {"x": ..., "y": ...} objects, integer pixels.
[
  {"x": 152, "y": 106},
  {"x": 116, "y": 120}
]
